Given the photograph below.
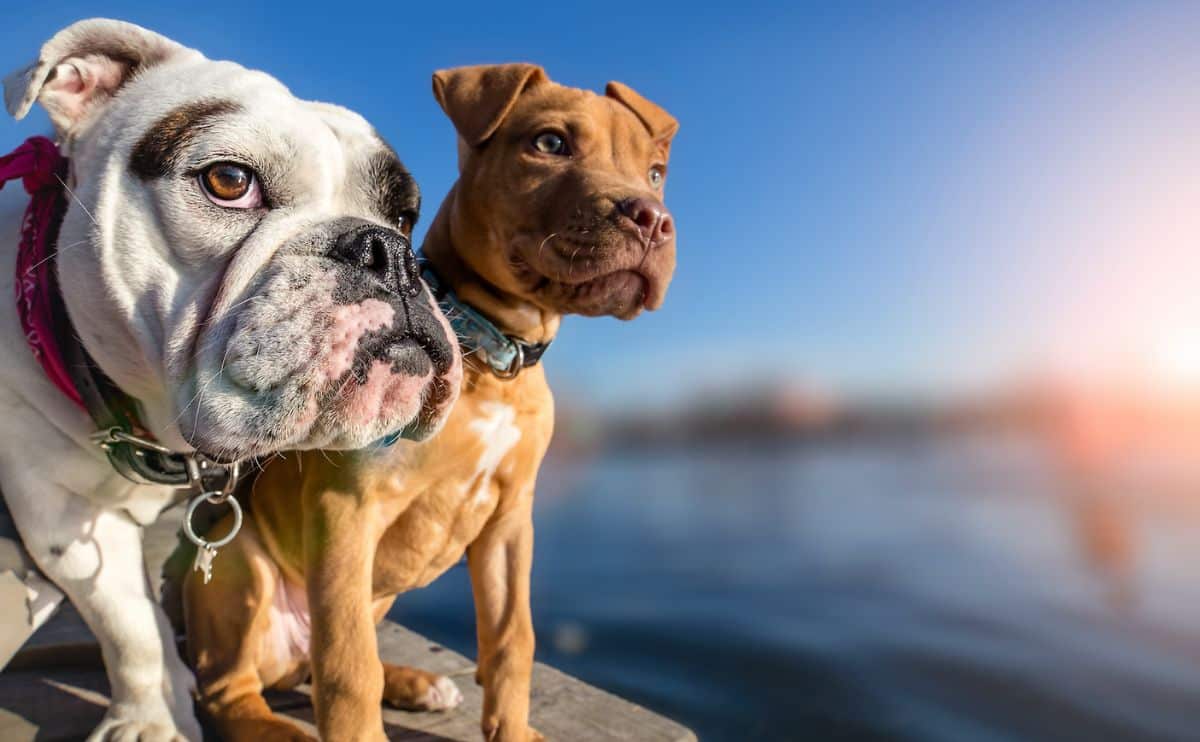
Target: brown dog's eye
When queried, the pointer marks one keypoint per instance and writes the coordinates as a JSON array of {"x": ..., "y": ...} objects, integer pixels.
[
  {"x": 231, "y": 185},
  {"x": 656, "y": 176},
  {"x": 550, "y": 143},
  {"x": 405, "y": 223}
]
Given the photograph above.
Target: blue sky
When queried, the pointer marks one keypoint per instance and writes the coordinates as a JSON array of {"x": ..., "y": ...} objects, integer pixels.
[{"x": 914, "y": 198}]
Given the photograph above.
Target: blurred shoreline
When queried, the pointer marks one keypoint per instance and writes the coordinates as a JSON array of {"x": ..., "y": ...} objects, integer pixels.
[
  {"x": 1097, "y": 439},
  {"x": 790, "y": 415}
]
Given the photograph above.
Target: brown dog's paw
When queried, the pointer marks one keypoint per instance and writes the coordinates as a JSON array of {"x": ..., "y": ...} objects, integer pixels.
[
  {"x": 271, "y": 729},
  {"x": 416, "y": 690},
  {"x": 441, "y": 696},
  {"x": 285, "y": 733},
  {"x": 494, "y": 731}
]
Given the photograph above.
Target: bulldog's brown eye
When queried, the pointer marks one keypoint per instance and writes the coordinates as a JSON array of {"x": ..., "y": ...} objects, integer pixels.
[
  {"x": 656, "y": 176},
  {"x": 231, "y": 185},
  {"x": 550, "y": 143}
]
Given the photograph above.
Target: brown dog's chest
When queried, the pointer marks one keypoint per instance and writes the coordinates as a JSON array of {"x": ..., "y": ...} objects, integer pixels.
[
  {"x": 431, "y": 500},
  {"x": 435, "y": 521},
  {"x": 488, "y": 453}
]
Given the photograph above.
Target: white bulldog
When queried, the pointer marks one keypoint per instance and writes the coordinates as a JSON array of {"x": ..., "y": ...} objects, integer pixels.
[{"x": 237, "y": 262}]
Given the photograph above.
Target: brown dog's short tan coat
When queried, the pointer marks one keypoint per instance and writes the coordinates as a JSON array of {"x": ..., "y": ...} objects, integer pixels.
[{"x": 558, "y": 209}]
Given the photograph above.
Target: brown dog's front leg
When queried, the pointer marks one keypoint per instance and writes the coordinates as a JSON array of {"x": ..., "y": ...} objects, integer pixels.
[
  {"x": 500, "y": 561},
  {"x": 339, "y": 549}
]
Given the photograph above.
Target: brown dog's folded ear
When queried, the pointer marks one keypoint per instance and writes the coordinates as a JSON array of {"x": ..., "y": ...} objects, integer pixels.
[
  {"x": 661, "y": 124},
  {"x": 478, "y": 98},
  {"x": 81, "y": 67}
]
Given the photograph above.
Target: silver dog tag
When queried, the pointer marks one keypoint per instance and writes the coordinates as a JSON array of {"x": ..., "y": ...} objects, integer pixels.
[
  {"x": 206, "y": 551},
  {"x": 204, "y": 560}
]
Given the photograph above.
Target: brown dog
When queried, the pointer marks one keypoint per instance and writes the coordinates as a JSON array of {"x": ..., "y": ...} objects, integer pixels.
[{"x": 558, "y": 209}]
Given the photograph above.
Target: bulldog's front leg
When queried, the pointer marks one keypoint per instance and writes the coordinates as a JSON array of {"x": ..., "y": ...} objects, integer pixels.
[
  {"x": 95, "y": 556},
  {"x": 500, "y": 561},
  {"x": 339, "y": 551}
]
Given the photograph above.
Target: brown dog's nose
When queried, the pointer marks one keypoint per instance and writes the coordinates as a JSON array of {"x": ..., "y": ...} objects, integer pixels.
[
  {"x": 383, "y": 252},
  {"x": 650, "y": 217}
]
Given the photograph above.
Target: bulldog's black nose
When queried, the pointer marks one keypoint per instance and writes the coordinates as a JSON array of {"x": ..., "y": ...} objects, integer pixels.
[{"x": 383, "y": 252}]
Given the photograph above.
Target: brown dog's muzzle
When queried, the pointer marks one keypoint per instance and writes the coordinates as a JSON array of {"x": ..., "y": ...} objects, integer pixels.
[{"x": 617, "y": 262}]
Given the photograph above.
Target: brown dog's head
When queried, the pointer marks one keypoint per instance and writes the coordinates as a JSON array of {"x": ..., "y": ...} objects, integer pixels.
[{"x": 560, "y": 192}]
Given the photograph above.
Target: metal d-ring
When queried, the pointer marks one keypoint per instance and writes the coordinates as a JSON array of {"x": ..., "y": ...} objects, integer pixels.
[
  {"x": 195, "y": 465},
  {"x": 514, "y": 366},
  {"x": 215, "y": 498}
]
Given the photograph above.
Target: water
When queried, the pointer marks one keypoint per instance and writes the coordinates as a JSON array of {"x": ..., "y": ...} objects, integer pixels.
[{"x": 937, "y": 590}]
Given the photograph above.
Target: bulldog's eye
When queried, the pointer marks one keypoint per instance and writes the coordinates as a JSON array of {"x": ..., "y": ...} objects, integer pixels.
[
  {"x": 231, "y": 185},
  {"x": 656, "y": 176},
  {"x": 550, "y": 143}
]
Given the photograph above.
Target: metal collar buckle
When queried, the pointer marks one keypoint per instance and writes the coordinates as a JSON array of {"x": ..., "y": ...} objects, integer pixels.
[{"x": 106, "y": 439}]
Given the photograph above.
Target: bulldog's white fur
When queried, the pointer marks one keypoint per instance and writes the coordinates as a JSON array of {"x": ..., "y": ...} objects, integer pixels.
[{"x": 211, "y": 318}]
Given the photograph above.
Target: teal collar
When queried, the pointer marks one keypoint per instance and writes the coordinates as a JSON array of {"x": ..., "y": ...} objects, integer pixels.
[{"x": 504, "y": 354}]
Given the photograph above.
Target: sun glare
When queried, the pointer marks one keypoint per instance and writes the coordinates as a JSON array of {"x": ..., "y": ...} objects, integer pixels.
[{"x": 1177, "y": 360}]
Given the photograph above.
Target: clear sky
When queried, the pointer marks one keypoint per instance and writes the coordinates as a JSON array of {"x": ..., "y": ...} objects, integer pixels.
[{"x": 897, "y": 197}]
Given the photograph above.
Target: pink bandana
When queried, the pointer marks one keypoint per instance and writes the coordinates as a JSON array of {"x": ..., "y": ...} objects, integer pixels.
[{"x": 39, "y": 164}]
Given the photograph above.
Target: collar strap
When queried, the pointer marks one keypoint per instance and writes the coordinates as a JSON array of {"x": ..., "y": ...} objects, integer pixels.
[
  {"x": 48, "y": 331},
  {"x": 504, "y": 354}
]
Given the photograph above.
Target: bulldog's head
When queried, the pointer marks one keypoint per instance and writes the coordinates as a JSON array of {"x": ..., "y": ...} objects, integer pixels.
[
  {"x": 235, "y": 258},
  {"x": 581, "y": 226}
]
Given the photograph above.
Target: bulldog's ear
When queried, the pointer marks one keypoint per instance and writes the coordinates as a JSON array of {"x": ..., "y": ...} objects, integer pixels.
[
  {"x": 478, "y": 98},
  {"x": 81, "y": 67},
  {"x": 661, "y": 124}
]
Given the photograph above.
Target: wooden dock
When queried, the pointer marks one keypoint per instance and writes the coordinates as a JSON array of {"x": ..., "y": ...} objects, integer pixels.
[{"x": 55, "y": 688}]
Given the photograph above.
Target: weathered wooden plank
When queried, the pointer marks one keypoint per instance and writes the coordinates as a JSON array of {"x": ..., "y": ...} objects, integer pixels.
[
  {"x": 64, "y": 704},
  {"x": 63, "y": 701}
]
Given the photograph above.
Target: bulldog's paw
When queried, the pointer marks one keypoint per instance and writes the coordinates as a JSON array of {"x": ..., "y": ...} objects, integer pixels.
[
  {"x": 113, "y": 729},
  {"x": 416, "y": 690}
]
